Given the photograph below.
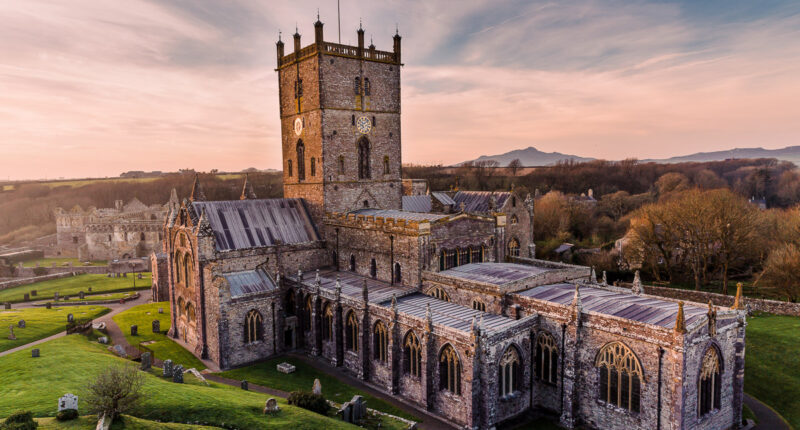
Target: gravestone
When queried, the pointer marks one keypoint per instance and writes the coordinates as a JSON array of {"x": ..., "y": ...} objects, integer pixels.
[
  {"x": 286, "y": 368},
  {"x": 166, "y": 370},
  {"x": 161, "y": 310},
  {"x": 81, "y": 295},
  {"x": 177, "y": 374},
  {"x": 346, "y": 411},
  {"x": 35, "y": 352},
  {"x": 68, "y": 401},
  {"x": 271, "y": 406},
  {"x": 7, "y": 305},
  {"x": 48, "y": 305},
  {"x": 26, "y": 297},
  {"x": 119, "y": 350},
  {"x": 21, "y": 324},
  {"x": 11, "y": 336},
  {"x": 146, "y": 361},
  {"x": 359, "y": 408},
  {"x": 244, "y": 385},
  {"x": 70, "y": 318},
  {"x": 125, "y": 275},
  {"x": 108, "y": 275},
  {"x": 66, "y": 298},
  {"x": 317, "y": 388},
  {"x": 134, "y": 330},
  {"x": 90, "y": 289},
  {"x": 156, "y": 326},
  {"x": 102, "y": 339},
  {"x": 55, "y": 295},
  {"x": 33, "y": 293},
  {"x": 140, "y": 276}
]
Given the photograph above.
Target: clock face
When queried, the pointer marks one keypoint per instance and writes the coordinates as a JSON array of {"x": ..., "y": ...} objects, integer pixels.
[
  {"x": 363, "y": 125},
  {"x": 298, "y": 126}
]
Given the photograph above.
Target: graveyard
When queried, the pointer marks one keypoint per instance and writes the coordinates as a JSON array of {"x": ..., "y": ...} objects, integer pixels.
[
  {"x": 164, "y": 348},
  {"x": 90, "y": 284},
  {"x": 40, "y": 323},
  {"x": 67, "y": 364},
  {"x": 60, "y": 261}
]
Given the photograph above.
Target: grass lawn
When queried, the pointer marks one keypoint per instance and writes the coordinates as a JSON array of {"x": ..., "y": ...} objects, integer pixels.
[
  {"x": 68, "y": 363},
  {"x": 772, "y": 363},
  {"x": 47, "y": 262},
  {"x": 99, "y": 297},
  {"x": 266, "y": 374},
  {"x": 40, "y": 322},
  {"x": 163, "y": 347},
  {"x": 127, "y": 422},
  {"x": 73, "y": 285}
]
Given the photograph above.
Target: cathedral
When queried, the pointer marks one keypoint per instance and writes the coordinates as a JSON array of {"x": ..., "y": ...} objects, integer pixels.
[{"x": 435, "y": 298}]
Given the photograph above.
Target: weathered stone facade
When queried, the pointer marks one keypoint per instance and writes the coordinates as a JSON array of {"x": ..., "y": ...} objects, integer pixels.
[
  {"x": 125, "y": 231},
  {"x": 436, "y": 309}
]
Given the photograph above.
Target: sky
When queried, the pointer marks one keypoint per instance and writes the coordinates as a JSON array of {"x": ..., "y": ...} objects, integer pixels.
[{"x": 93, "y": 88}]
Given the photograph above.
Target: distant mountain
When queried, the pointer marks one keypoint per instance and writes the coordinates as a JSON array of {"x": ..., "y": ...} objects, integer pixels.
[
  {"x": 531, "y": 156},
  {"x": 790, "y": 153}
]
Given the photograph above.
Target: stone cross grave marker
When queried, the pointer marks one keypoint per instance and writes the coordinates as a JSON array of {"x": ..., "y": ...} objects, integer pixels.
[
  {"x": 11, "y": 336},
  {"x": 317, "y": 388},
  {"x": 35, "y": 352},
  {"x": 271, "y": 406},
  {"x": 167, "y": 369},
  {"x": 68, "y": 401},
  {"x": 146, "y": 361},
  {"x": 156, "y": 326}
]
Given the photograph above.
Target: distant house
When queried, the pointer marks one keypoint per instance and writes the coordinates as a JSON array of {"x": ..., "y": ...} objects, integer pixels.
[{"x": 761, "y": 203}]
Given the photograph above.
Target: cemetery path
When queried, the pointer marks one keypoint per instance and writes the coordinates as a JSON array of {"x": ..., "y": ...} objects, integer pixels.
[
  {"x": 767, "y": 417},
  {"x": 250, "y": 386},
  {"x": 115, "y": 309}
]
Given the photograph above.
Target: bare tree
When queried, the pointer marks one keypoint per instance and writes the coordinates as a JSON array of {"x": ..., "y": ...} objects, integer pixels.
[
  {"x": 115, "y": 390},
  {"x": 514, "y": 166}
]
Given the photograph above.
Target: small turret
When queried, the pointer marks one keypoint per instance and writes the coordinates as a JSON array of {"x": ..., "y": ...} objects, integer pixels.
[
  {"x": 360, "y": 32},
  {"x": 737, "y": 302},
  {"x": 680, "y": 322},
  {"x": 637, "y": 284},
  {"x": 593, "y": 276},
  {"x": 197, "y": 195},
  {"x": 318, "y": 30},
  {"x": 397, "y": 46},
  {"x": 296, "y": 42},
  {"x": 279, "y": 48}
]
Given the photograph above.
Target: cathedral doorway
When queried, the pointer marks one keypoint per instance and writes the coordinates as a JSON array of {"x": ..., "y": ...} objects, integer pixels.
[{"x": 288, "y": 338}]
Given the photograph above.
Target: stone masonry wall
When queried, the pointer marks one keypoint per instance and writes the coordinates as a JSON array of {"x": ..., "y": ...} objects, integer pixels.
[{"x": 760, "y": 305}]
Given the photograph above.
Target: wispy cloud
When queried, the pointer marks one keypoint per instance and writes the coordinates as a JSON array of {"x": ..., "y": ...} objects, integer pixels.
[{"x": 94, "y": 88}]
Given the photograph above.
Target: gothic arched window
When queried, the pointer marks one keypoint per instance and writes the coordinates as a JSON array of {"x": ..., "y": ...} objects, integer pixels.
[
  {"x": 307, "y": 314},
  {"x": 513, "y": 248},
  {"x": 301, "y": 160},
  {"x": 373, "y": 268},
  {"x": 398, "y": 275},
  {"x": 546, "y": 359},
  {"x": 313, "y": 166},
  {"x": 478, "y": 305},
  {"x": 476, "y": 256},
  {"x": 327, "y": 323},
  {"x": 709, "y": 384},
  {"x": 510, "y": 375},
  {"x": 412, "y": 355},
  {"x": 187, "y": 270},
  {"x": 351, "y": 332},
  {"x": 289, "y": 167},
  {"x": 449, "y": 370},
  {"x": 363, "y": 159},
  {"x": 463, "y": 256},
  {"x": 253, "y": 327},
  {"x": 380, "y": 341},
  {"x": 178, "y": 259},
  {"x": 352, "y": 263},
  {"x": 141, "y": 236},
  {"x": 385, "y": 164},
  {"x": 439, "y": 294},
  {"x": 357, "y": 86},
  {"x": 620, "y": 376},
  {"x": 341, "y": 164},
  {"x": 367, "y": 87}
]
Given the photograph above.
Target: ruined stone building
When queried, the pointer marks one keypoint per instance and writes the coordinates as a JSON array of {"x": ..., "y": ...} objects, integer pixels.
[
  {"x": 124, "y": 231},
  {"x": 434, "y": 298}
]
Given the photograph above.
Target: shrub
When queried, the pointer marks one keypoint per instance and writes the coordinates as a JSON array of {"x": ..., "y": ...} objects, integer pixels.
[
  {"x": 21, "y": 420},
  {"x": 67, "y": 414},
  {"x": 312, "y": 402}
]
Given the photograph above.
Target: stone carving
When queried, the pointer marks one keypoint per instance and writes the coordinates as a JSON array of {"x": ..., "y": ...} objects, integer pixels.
[
  {"x": 286, "y": 368},
  {"x": 68, "y": 401},
  {"x": 146, "y": 361},
  {"x": 271, "y": 406},
  {"x": 317, "y": 388},
  {"x": 167, "y": 369}
]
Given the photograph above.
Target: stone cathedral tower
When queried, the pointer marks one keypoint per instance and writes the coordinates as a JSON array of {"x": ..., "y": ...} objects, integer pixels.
[{"x": 340, "y": 124}]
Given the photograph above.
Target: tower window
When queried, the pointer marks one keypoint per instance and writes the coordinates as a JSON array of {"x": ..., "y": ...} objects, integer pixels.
[
  {"x": 313, "y": 166},
  {"x": 363, "y": 159},
  {"x": 289, "y": 165},
  {"x": 373, "y": 268},
  {"x": 301, "y": 160},
  {"x": 373, "y": 121},
  {"x": 367, "y": 88},
  {"x": 352, "y": 120},
  {"x": 385, "y": 164},
  {"x": 341, "y": 164},
  {"x": 352, "y": 263},
  {"x": 298, "y": 88},
  {"x": 366, "y": 204},
  {"x": 357, "y": 86}
]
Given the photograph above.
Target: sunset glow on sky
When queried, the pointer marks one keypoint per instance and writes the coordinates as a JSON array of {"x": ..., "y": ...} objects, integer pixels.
[{"x": 94, "y": 88}]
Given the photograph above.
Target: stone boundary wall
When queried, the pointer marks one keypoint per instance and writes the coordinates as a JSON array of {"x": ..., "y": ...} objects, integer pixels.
[
  {"x": 94, "y": 302},
  {"x": 99, "y": 270},
  {"x": 25, "y": 281},
  {"x": 762, "y": 305}
]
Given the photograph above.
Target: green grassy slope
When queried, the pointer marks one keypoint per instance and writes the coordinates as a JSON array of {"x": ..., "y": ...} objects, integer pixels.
[
  {"x": 41, "y": 323},
  {"x": 73, "y": 285}
]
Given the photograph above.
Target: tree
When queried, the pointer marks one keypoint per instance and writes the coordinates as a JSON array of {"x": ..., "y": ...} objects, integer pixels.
[
  {"x": 114, "y": 390},
  {"x": 552, "y": 216},
  {"x": 514, "y": 166},
  {"x": 672, "y": 182},
  {"x": 782, "y": 271}
]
